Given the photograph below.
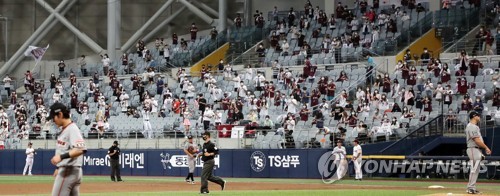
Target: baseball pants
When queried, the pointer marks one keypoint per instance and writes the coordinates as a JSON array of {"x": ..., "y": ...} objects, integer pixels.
[
  {"x": 191, "y": 166},
  {"x": 115, "y": 170},
  {"x": 28, "y": 166},
  {"x": 148, "y": 131},
  {"x": 341, "y": 168},
  {"x": 206, "y": 175},
  {"x": 67, "y": 181},
  {"x": 474, "y": 155},
  {"x": 357, "y": 168}
]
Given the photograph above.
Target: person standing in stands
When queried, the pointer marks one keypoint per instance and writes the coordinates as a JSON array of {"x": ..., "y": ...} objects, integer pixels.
[
  {"x": 193, "y": 31},
  {"x": 114, "y": 157},
  {"x": 207, "y": 156}
]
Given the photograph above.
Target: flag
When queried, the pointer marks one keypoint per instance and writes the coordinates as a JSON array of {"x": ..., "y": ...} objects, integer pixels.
[{"x": 36, "y": 52}]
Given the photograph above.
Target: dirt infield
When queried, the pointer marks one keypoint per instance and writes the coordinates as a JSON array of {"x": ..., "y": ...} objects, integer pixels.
[{"x": 130, "y": 187}]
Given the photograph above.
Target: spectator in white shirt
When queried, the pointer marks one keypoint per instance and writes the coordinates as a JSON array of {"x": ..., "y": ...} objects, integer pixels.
[
  {"x": 285, "y": 46},
  {"x": 105, "y": 64},
  {"x": 124, "y": 102},
  {"x": 154, "y": 106},
  {"x": 56, "y": 97},
  {"x": 6, "y": 84},
  {"x": 259, "y": 81}
]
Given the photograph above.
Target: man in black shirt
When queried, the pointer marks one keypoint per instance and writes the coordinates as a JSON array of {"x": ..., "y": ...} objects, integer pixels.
[
  {"x": 114, "y": 157},
  {"x": 208, "y": 153},
  {"x": 202, "y": 103}
]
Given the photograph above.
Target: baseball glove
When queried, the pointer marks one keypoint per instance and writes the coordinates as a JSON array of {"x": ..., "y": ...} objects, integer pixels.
[{"x": 191, "y": 150}]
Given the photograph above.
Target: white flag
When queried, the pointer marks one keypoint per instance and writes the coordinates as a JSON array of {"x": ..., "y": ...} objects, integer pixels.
[{"x": 35, "y": 52}]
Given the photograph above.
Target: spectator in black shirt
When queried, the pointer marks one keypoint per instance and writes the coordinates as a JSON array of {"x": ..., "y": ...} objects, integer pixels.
[
  {"x": 202, "y": 102},
  {"x": 207, "y": 156},
  {"x": 425, "y": 57},
  {"x": 114, "y": 157},
  {"x": 213, "y": 33},
  {"x": 261, "y": 51}
]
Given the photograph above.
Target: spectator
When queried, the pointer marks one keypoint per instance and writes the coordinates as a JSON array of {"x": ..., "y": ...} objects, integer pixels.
[
  {"x": 478, "y": 106},
  {"x": 238, "y": 21},
  {"x": 213, "y": 33},
  {"x": 475, "y": 65},
  {"x": 61, "y": 66},
  {"x": 193, "y": 31},
  {"x": 105, "y": 63},
  {"x": 83, "y": 65},
  {"x": 6, "y": 83}
]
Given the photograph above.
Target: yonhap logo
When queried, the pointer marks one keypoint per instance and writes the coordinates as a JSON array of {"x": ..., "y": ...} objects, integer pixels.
[
  {"x": 331, "y": 167},
  {"x": 258, "y": 161}
]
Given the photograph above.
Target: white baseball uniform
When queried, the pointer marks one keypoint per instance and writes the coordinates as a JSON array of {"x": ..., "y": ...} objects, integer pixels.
[
  {"x": 30, "y": 155},
  {"x": 339, "y": 153},
  {"x": 357, "y": 163},
  {"x": 148, "y": 131}
]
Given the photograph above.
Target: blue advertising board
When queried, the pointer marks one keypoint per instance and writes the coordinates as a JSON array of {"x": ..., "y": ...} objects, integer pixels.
[{"x": 265, "y": 163}]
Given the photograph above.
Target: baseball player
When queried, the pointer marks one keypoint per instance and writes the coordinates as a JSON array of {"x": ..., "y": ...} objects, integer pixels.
[
  {"x": 68, "y": 158},
  {"x": 474, "y": 144},
  {"x": 148, "y": 131},
  {"x": 191, "y": 158},
  {"x": 357, "y": 156},
  {"x": 340, "y": 159},
  {"x": 208, "y": 154},
  {"x": 30, "y": 155}
]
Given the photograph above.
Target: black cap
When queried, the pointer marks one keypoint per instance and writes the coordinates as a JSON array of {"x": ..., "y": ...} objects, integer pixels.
[
  {"x": 56, "y": 108},
  {"x": 206, "y": 133},
  {"x": 190, "y": 137},
  {"x": 29, "y": 143},
  {"x": 474, "y": 114},
  {"x": 115, "y": 142},
  {"x": 357, "y": 142}
]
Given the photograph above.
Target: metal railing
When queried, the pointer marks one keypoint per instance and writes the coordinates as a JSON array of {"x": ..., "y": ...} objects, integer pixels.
[{"x": 416, "y": 138}]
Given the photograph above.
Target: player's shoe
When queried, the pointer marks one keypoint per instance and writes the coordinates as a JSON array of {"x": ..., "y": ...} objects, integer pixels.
[
  {"x": 188, "y": 181},
  {"x": 204, "y": 193},
  {"x": 223, "y": 186},
  {"x": 473, "y": 191},
  {"x": 30, "y": 174}
]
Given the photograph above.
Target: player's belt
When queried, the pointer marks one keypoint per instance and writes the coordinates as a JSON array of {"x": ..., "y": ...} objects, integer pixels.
[
  {"x": 69, "y": 167},
  {"x": 473, "y": 147}
]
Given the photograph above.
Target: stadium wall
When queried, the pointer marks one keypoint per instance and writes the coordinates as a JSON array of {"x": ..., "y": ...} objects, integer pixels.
[
  {"x": 264, "y": 163},
  {"x": 305, "y": 163},
  {"x": 428, "y": 40}
]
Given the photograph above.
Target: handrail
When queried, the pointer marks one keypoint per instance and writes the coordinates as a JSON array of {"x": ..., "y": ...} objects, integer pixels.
[{"x": 411, "y": 133}]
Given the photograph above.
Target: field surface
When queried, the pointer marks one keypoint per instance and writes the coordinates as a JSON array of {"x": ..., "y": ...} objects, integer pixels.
[{"x": 101, "y": 185}]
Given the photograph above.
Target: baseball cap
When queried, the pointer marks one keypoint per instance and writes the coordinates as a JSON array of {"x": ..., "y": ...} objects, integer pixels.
[
  {"x": 29, "y": 143},
  {"x": 206, "y": 133},
  {"x": 56, "y": 108},
  {"x": 190, "y": 137},
  {"x": 115, "y": 142},
  {"x": 473, "y": 114},
  {"x": 357, "y": 141}
]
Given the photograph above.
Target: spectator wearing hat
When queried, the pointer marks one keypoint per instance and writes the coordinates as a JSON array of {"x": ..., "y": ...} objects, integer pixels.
[{"x": 114, "y": 156}]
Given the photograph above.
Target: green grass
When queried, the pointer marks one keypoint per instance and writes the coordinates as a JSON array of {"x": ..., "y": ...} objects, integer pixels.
[{"x": 370, "y": 187}]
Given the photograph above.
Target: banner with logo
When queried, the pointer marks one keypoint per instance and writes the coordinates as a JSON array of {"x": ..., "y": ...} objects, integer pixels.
[{"x": 245, "y": 163}]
